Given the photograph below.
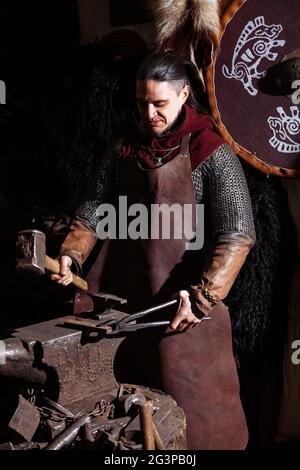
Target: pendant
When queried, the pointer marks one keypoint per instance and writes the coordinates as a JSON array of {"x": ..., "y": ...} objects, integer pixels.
[{"x": 158, "y": 162}]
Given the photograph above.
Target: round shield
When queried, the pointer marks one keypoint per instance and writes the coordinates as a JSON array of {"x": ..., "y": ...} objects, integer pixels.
[{"x": 253, "y": 83}]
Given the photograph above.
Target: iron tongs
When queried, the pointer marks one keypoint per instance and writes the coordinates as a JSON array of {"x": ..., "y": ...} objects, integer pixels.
[
  {"x": 126, "y": 324},
  {"x": 110, "y": 325}
]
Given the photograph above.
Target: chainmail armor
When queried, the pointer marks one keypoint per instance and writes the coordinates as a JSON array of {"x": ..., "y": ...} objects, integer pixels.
[
  {"x": 105, "y": 188},
  {"x": 221, "y": 180}
]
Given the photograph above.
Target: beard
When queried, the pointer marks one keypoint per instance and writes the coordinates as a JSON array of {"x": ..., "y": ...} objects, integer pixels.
[
  {"x": 160, "y": 133},
  {"x": 148, "y": 129}
]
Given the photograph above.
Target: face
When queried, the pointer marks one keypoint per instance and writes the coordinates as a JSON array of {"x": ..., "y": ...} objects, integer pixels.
[{"x": 159, "y": 104}]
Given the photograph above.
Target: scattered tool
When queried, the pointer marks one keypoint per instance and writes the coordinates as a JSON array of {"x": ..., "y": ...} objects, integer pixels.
[
  {"x": 146, "y": 420},
  {"x": 145, "y": 409},
  {"x": 69, "y": 435},
  {"x": 31, "y": 256}
]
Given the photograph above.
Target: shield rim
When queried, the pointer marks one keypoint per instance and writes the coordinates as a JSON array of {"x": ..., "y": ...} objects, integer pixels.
[{"x": 209, "y": 77}]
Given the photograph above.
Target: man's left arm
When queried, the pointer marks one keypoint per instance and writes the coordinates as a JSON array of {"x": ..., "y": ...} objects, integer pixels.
[{"x": 233, "y": 234}]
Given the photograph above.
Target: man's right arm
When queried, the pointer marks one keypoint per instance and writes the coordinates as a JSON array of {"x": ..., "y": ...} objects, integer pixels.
[
  {"x": 75, "y": 249},
  {"x": 79, "y": 243},
  {"x": 82, "y": 237}
]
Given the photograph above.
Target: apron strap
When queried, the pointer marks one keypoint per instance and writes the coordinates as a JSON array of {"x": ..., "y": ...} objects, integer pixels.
[{"x": 184, "y": 147}]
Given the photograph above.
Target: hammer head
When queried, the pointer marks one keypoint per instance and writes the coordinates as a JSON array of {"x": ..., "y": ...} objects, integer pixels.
[
  {"x": 126, "y": 401},
  {"x": 31, "y": 251}
]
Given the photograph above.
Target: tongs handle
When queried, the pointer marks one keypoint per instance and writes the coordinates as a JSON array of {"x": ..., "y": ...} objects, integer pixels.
[
  {"x": 149, "y": 311},
  {"x": 122, "y": 325}
]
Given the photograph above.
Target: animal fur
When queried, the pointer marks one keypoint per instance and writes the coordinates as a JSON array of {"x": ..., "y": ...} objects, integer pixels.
[
  {"x": 182, "y": 25},
  {"x": 258, "y": 299}
]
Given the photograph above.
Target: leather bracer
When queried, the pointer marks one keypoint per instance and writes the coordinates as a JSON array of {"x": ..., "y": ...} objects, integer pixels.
[
  {"x": 79, "y": 243},
  {"x": 221, "y": 269}
]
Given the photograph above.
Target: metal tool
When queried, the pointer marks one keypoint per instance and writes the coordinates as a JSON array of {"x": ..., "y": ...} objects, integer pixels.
[
  {"x": 125, "y": 402},
  {"x": 117, "y": 323},
  {"x": 127, "y": 324},
  {"x": 105, "y": 304},
  {"x": 146, "y": 421},
  {"x": 31, "y": 256},
  {"x": 69, "y": 435},
  {"x": 19, "y": 418},
  {"x": 145, "y": 409}
]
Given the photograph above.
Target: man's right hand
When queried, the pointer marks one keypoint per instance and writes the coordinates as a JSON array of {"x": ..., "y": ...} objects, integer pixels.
[{"x": 65, "y": 277}]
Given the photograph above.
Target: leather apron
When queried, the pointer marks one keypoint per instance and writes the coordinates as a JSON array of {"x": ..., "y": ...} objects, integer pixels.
[{"x": 195, "y": 367}]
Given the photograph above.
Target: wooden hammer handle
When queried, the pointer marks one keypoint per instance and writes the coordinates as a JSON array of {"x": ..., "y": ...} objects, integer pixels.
[
  {"x": 53, "y": 266},
  {"x": 145, "y": 411}
]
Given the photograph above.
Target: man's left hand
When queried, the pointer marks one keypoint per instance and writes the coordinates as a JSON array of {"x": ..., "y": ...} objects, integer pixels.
[{"x": 184, "y": 317}]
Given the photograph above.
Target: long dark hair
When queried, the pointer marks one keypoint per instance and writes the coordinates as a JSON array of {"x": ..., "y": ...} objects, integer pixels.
[{"x": 168, "y": 67}]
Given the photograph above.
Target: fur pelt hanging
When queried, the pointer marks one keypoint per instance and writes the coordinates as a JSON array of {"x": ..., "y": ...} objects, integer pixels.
[
  {"x": 258, "y": 299},
  {"x": 189, "y": 27}
]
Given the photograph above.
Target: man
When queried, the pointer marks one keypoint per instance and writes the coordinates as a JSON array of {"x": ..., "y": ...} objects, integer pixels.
[{"x": 174, "y": 157}]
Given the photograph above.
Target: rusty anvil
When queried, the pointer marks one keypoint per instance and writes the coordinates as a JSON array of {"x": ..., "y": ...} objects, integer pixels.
[
  {"x": 76, "y": 372},
  {"x": 31, "y": 256},
  {"x": 71, "y": 360},
  {"x": 72, "y": 357},
  {"x": 68, "y": 364}
]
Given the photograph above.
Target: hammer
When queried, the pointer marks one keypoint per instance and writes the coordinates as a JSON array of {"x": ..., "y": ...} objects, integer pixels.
[
  {"x": 31, "y": 256},
  {"x": 145, "y": 408}
]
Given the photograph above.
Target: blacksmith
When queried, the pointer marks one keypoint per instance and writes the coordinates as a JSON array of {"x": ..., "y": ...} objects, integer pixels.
[{"x": 174, "y": 156}]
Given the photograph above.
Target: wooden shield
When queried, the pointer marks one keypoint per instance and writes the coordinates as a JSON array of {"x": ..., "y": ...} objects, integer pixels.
[{"x": 261, "y": 125}]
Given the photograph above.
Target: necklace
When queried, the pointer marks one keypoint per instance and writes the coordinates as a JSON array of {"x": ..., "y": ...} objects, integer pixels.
[
  {"x": 159, "y": 159},
  {"x": 146, "y": 147}
]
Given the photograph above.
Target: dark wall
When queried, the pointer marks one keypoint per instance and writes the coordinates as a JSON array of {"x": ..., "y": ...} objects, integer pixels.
[
  {"x": 37, "y": 42},
  {"x": 129, "y": 12}
]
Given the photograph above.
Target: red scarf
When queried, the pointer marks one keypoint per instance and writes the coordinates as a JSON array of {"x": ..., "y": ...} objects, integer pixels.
[{"x": 204, "y": 141}]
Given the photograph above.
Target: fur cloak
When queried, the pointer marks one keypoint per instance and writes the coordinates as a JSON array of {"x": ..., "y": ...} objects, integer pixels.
[{"x": 186, "y": 25}]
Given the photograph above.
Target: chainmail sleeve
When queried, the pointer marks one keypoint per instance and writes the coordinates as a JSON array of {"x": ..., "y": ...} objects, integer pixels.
[
  {"x": 220, "y": 183},
  {"x": 103, "y": 190},
  {"x": 82, "y": 234}
]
